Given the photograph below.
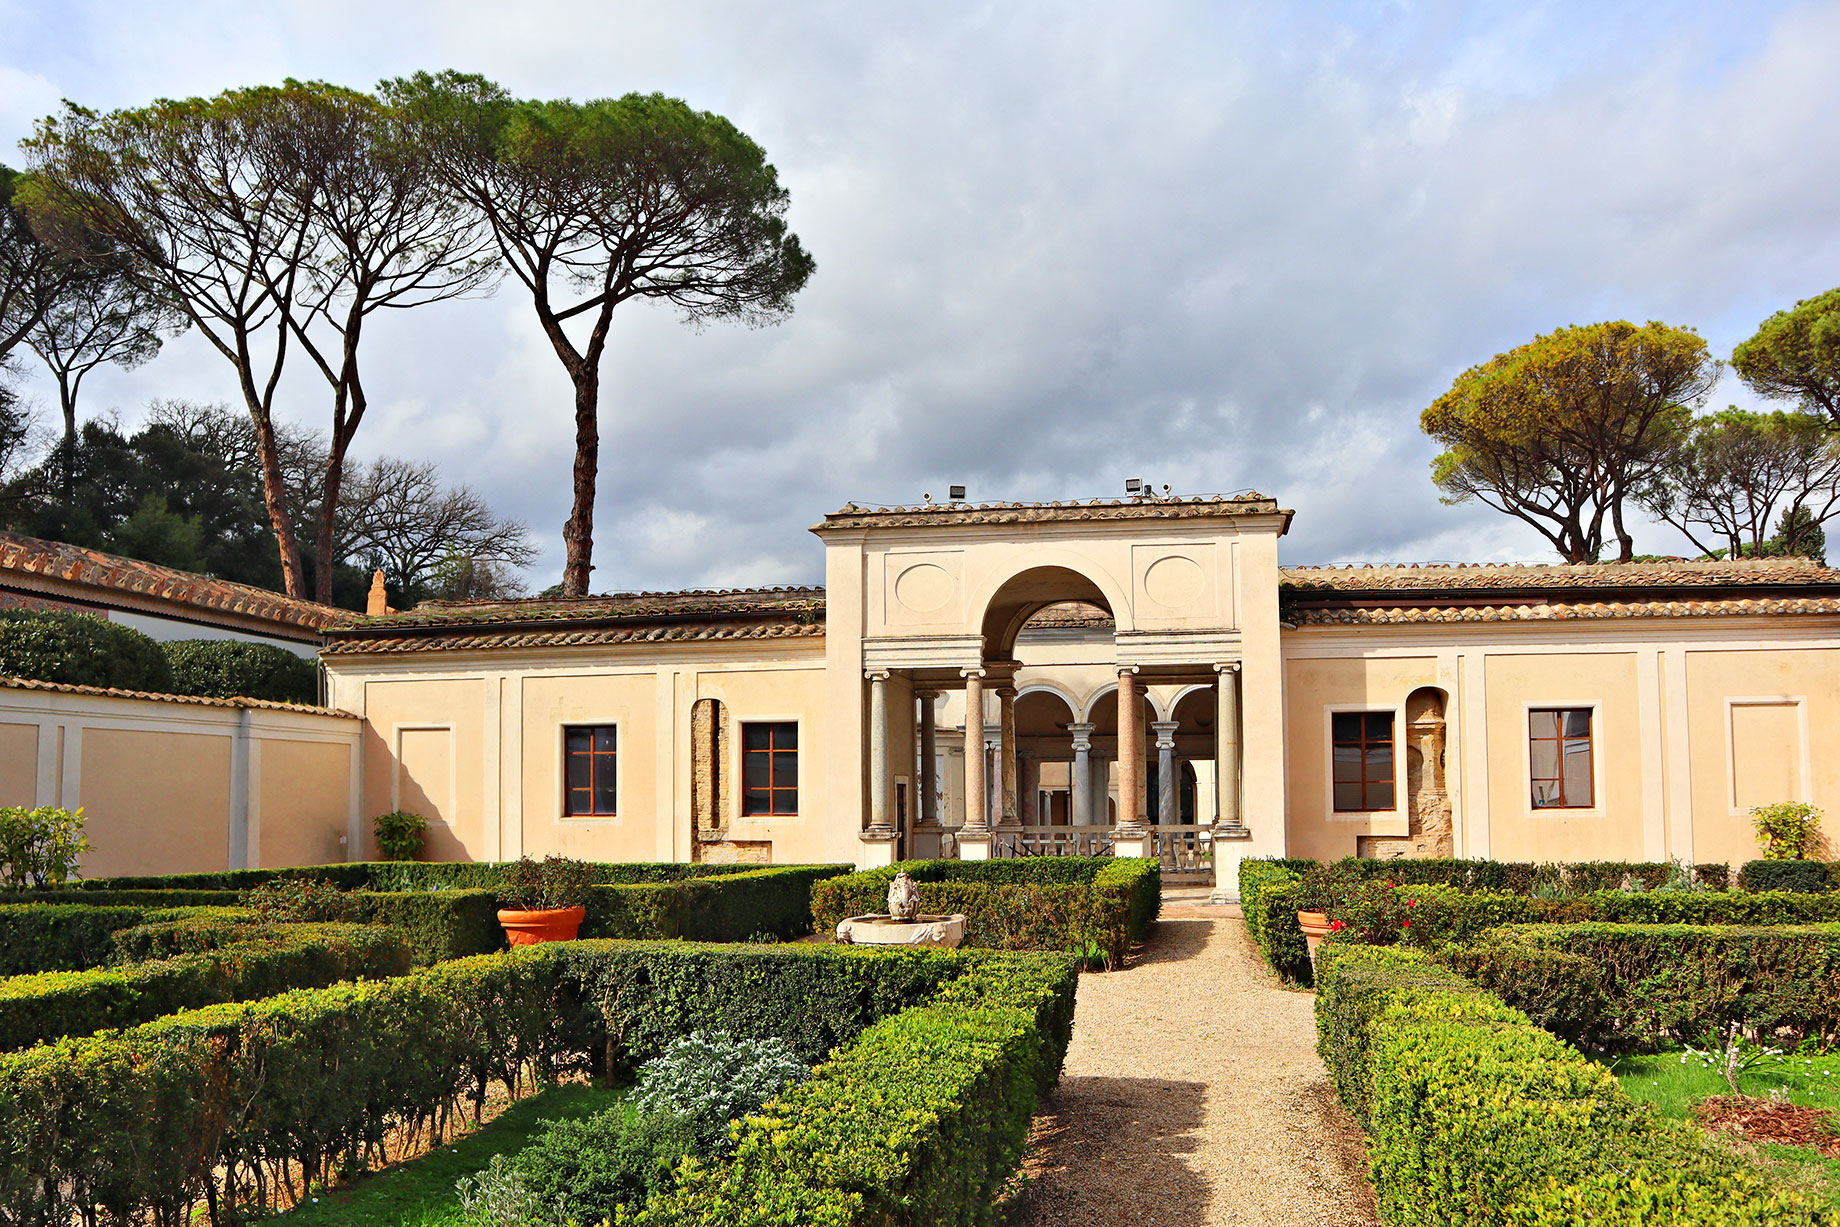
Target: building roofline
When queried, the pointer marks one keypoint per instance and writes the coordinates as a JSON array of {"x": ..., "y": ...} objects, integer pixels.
[
  {"x": 939, "y": 515},
  {"x": 110, "y": 692}
]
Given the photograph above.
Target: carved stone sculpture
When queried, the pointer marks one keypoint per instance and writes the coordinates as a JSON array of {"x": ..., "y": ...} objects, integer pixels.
[{"x": 903, "y": 898}]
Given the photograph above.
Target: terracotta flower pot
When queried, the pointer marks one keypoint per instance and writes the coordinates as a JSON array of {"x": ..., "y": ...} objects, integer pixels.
[
  {"x": 1315, "y": 926},
  {"x": 560, "y": 924}
]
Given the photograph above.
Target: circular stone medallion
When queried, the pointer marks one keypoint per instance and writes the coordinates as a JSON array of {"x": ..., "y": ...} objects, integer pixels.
[
  {"x": 1174, "y": 581},
  {"x": 923, "y": 587}
]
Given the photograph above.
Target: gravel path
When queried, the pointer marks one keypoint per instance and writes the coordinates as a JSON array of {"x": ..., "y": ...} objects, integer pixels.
[{"x": 1193, "y": 1097}]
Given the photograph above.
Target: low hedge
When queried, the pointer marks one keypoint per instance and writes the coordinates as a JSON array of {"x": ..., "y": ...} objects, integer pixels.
[
  {"x": 761, "y": 903},
  {"x": 407, "y": 875},
  {"x": 53, "y": 1004},
  {"x": 1096, "y": 907},
  {"x": 37, "y": 937},
  {"x": 1268, "y": 901},
  {"x": 215, "y": 1105},
  {"x": 1519, "y": 877},
  {"x": 1804, "y": 876},
  {"x": 1476, "y": 1116},
  {"x": 1633, "y": 986},
  {"x": 920, "y": 1122}
]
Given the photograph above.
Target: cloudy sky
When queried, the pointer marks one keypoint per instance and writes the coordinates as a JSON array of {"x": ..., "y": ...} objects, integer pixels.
[{"x": 1059, "y": 245}]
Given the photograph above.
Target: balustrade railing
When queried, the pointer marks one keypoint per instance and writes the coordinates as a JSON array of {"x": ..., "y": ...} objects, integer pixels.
[{"x": 1186, "y": 851}]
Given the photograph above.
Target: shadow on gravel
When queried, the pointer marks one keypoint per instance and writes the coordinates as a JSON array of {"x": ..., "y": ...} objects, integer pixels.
[
  {"x": 1172, "y": 941},
  {"x": 1114, "y": 1151}
]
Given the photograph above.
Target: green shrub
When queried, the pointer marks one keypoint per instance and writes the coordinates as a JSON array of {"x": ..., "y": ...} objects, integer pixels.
[
  {"x": 1633, "y": 986},
  {"x": 733, "y": 907},
  {"x": 200, "y": 930},
  {"x": 554, "y": 882},
  {"x": 1476, "y": 1116},
  {"x": 710, "y": 1078},
  {"x": 67, "y": 937},
  {"x": 50, "y": 1005},
  {"x": 1787, "y": 830},
  {"x": 399, "y": 835},
  {"x": 414, "y": 875},
  {"x": 40, "y": 847},
  {"x": 237, "y": 669},
  {"x": 298, "y": 900},
  {"x": 591, "y": 1170},
  {"x": 1807, "y": 877},
  {"x": 80, "y": 650},
  {"x": 1097, "y": 907},
  {"x": 1268, "y": 899}
]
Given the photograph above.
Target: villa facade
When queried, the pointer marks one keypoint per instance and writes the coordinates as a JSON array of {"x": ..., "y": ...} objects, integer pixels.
[{"x": 1149, "y": 649}]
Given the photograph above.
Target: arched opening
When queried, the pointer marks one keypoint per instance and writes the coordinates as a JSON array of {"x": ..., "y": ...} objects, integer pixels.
[
  {"x": 1026, "y": 594},
  {"x": 1044, "y": 758}
]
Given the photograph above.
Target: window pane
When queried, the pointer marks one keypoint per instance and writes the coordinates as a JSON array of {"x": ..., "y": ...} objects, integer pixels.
[
  {"x": 1578, "y": 773},
  {"x": 605, "y": 801},
  {"x": 785, "y": 770},
  {"x": 1543, "y": 723},
  {"x": 577, "y": 740},
  {"x": 1380, "y": 762},
  {"x": 786, "y": 801},
  {"x": 1545, "y": 793},
  {"x": 578, "y": 801},
  {"x": 754, "y": 769},
  {"x": 1347, "y": 764},
  {"x": 756, "y": 736},
  {"x": 1379, "y": 796},
  {"x": 1348, "y": 796},
  {"x": 577, "y": 769},
  {"x": 1545, "y": 760},
  {"x": 604, "y": 737},
  {"x": 786, "y": 736},
  {"x": 1346, "y": 726},
  {"x": 754, "y": 801},
  {"x": 1379, "y": 726},
  {"x": 1578, "y": 722}
]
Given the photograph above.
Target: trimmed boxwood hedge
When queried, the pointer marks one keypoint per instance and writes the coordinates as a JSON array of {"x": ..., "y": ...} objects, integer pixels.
[
  {"x": 1476, "y": 1116},
  {"x": 1805, "y": 876},
  {"x": 1633, "y": 986},
  {"x": 762, "y": 903},
  {"x": 38, "y": 937},
  {"x": 1096, "y": 907},
  {"x": 1517, "y": 877},
  {"x": 50, "y": 1005},
  {"x": 239, "y": 669},
  {"x": 1268, "y": 901},
  {"x": 410, "y": 875},
  {"x": 208, "y": 1105},
  {"x": 76, "y": 649}
]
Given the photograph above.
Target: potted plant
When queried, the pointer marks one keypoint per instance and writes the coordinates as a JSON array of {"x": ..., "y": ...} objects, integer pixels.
[
  {"x": 544, "y": 902},
  {"x": 1323, "y": 895}
]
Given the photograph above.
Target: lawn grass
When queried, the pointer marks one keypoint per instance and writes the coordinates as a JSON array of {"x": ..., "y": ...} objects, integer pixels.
[
  {"x": 420, "y": 1193},
  {"x": 1813, "y": 1082}
]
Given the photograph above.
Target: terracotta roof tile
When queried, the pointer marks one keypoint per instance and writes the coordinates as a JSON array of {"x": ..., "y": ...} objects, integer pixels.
[
  {"x": 27, "y": 683},
  {"x": 1468, "y": 577},
  {"x": 22, "y": 557},
  {"x": 451, "y": 639},
  {"x": 611, "y": 608},
  {"x": 1562, "y": 611},
  {"x": 932, "y": 514}
]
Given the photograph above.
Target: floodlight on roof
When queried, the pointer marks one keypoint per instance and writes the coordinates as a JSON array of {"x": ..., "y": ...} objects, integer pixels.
[
  {"x": 1133, "y": 485},
  {"x": 957, "y": 494}
]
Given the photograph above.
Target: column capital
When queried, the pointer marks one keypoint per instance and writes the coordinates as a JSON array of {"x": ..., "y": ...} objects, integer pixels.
[
  {"x": 1006, "y": 692},
  {"x": 1227, "y": 666},
  {"x": 1165, "y": 731},
  {"x": 1082, "y": 735},
  {"x": 980, "y": 672},
  {"x": 1121, "y": 670},
  {"x": 877, "y": 675},
  {"x": 926, "y": 696}
]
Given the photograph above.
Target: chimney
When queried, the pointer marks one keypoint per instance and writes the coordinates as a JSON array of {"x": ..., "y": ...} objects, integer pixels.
[{"x": 379, "y": 602}]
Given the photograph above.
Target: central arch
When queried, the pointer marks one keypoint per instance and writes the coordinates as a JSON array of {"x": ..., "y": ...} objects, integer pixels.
[{"x": 1028, "y": 591}]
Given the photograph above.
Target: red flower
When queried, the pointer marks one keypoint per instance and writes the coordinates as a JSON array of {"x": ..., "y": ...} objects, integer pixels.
[
  {"x": 1411, "y": 903},
  {"x": 1336, "y": 926},
  {"x": 1405, "y": 924}
]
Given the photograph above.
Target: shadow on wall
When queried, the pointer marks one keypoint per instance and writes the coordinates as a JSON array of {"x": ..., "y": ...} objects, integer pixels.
[{"x": 1116, "y": 1150}]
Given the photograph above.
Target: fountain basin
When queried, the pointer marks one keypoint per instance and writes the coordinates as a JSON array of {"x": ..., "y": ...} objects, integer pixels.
[{"x": 884, "y": 930}]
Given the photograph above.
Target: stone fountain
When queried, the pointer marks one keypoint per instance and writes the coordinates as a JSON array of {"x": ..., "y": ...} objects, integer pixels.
[{"x": 903, "y": 924}]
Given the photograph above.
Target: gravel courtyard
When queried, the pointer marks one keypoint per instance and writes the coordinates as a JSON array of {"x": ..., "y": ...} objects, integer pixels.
[{"x": 1193, "y": 1096}]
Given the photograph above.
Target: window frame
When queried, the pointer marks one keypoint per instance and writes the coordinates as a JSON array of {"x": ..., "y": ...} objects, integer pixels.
[
  {"x": 1596, "y": 708},
  {"x": 1383, "y": 821},
  {"x": 739, "y": 762},
  {"x": 563, "y": 728}
]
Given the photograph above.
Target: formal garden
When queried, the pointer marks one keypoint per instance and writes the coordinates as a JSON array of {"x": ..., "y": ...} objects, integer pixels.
[
  {"x": 1605, "y": 1043},
  {"x": 385, "y": 1043}
]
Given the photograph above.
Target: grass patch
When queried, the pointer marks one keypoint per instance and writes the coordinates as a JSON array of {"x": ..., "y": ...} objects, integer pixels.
[
  {"x": 1673, "y": 1089},
  {"x": 420, "y": 1192}
]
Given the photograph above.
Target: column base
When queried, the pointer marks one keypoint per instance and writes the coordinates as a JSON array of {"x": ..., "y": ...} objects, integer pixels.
[
  {"x": 878, "y": 845},
  {"x": 928, "y": 841},
  {"x": 974, "y": 843},
  {"x": 1133, "y": 841}
]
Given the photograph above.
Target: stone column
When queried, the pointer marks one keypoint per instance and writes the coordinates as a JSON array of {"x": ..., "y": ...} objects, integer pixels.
[
  {"x": 1008, "y": 811},
  {"x": 1082, "y": 774},
  {"x": 1168, "y": 807},
  {"x": 879, "y": 837},
  {"x": 1228, "y": 822},
  {"x": 1131, "y": 838},
  {"x": 926, "y": 825},
  {"x": 974, "y": 836}
]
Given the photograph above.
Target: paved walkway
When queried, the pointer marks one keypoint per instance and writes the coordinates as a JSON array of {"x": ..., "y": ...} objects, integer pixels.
[{"x": 1193, "y": 1097}]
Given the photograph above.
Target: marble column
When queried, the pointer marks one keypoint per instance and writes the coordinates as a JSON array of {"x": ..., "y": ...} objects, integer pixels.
[
  {"x": 881, "y": 780},
  {"x": 1168, "y": 807},
  {"x": 977, "y": 798},
  {"x": 1082, "y": 774},
  {"x": 928, "y": 774},
  {"x": 1130, "y": 748},
  {"x": 1228, "y": 819},
  {"x": 1007, "y": 809}
]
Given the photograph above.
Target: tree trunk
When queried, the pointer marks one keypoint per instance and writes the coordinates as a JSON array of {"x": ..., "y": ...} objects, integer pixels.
[
  {"x": 274, "y": 482},
  {"x": 578, "y": 534},
  {"x": 67, "y": 401}
]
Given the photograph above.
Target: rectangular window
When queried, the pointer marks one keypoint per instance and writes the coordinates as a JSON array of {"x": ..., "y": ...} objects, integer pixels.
[
  {"x": 590, "y": 764},
  {"x": 1559, "y": 745},
  {"x": 1363, "y": 757},
  {"x": 770, "y": 768}
]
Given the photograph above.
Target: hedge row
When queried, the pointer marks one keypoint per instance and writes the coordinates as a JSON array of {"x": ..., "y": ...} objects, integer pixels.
[
  {"x": 1806, "y": 876},
  {"x": 1268, "y": 901},
  {"x": 1096, "y": 907},
  {"x": 38, "y": 937},
  {"x": 920, "y": 1122},
  {"x": 406, "y": 875},
  {"x": 53, "y": 1004},
  {"x": 760, "y": 903},
  {"x": 1521, "y": 877},
  {"x": 209, "y": 1105},
  {"x": 1477, "y": 1116},
  {"x": 1632, "y": 986}
]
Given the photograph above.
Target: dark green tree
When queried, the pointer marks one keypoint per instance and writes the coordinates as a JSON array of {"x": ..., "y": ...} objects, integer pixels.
[
  {"x": 1737, "y": 474},
  {"x": 1795, "y": 356},
  {"x": 595, "y": 204}
]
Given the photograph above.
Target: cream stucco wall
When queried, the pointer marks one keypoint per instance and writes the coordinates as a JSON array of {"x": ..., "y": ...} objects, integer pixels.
[{"x": 177, "y": 786}]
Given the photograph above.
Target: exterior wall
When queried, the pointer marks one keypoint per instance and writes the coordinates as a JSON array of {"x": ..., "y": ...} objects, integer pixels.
[
  {"x": 175, "y": 787},
  {"x": 1695, "y": 721},
  {"x": 474, "y": 741}
]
